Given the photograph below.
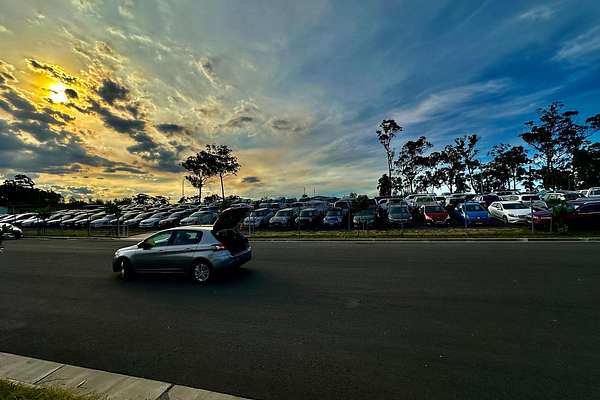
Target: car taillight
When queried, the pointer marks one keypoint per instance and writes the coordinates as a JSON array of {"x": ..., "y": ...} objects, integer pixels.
[{"x": 219, "y": 247}]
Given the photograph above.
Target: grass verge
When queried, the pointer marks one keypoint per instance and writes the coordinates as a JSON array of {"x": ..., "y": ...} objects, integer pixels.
[
  {"x": 424, "y": 233},
  {"x": 15, "y": 391}
]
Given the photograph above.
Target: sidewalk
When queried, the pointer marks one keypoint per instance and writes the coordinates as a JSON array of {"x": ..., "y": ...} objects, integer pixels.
[{"x": 31, "y": 371}]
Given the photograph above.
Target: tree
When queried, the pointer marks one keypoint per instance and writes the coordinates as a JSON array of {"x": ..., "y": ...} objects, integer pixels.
[
  {"x": 466, "y": 146},
  {"x": 385, "y": 134},
  {"x": 412, "y": 160},
  {"x": 586, "y": 165},
  {"x": 556, "y": 138},
  {"x": 509, "y": 163},
  {"x": 226, "y": 163},
  {"x": 449, "y": 167},
  {"x": 384, "y": 185},
  {"x": 203, "y": 167}
]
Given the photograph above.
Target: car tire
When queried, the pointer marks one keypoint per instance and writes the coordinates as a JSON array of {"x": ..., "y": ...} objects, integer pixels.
[
  {"x": 505, "y": 220},
  {"x": 202, "y": 272},
  {"x": 126, "y": 271}
]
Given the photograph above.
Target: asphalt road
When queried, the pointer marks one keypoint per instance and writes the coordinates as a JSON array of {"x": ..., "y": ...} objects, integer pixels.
[{"x": 322, "y": 320}]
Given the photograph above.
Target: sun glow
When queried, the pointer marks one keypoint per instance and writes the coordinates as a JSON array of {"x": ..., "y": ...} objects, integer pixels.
[{"x": 57, "y": 93}]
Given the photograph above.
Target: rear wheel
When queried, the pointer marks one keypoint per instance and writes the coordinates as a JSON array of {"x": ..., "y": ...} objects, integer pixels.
[
  {"x": 126, "y": 271},
  {"x": 202, "y": 272}
]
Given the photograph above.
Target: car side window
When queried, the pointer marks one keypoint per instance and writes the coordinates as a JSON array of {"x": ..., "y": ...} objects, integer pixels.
[
  {"x": 160, "y": 239},
  {"x": 185, "y": 237}
]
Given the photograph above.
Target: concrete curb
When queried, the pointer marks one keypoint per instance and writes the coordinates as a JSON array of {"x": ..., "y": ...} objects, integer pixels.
[{"x": 40, "y": 373}]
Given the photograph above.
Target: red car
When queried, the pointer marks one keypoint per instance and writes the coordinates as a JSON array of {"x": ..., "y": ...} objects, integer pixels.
[{"x": 434, "y": 214}]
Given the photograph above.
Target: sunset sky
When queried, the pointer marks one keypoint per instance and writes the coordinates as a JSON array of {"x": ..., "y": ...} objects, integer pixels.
[{"x": 105, "y": 98}]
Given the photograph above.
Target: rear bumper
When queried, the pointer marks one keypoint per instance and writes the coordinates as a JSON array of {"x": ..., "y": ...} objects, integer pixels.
[{"x": 228, "y": 260}]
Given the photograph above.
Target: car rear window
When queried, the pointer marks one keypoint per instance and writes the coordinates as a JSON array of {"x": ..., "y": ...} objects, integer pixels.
[{"x": 186, "y": 237}]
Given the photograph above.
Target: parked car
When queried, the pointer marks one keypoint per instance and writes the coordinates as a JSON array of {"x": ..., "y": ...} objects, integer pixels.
[
  {"x": 434, "y": 214},
  {"x": 153, "y": 220},
  {"x": 194, "y": 250},
  {"x": 385, "y": 204},
  {"x": 419, "y": 200},
  {"x": 592, "y": 192},
  {"x": 174, "y": 218},
  {"x": 284, "y": 218},
  {"x": 201, "y": 218},
  {"x": 487, "y": 199},
  {"x": 343, "y": 204},
  {"x": 471, "y": 213},
  {"x": 553, "y": 198},
  {"x": 32, "y": 222},
  {"x": 502, "y": 193},
  {"x": 309, "y": 218},
  {"x": 70, "y": 222},
  {"x": 135, "y": 221},
  {"x": 399, "y": 215},
  {"x": 9, "y": 230},
  {"x": 581, "y": 215},
  {"x": 20, "y": 218},
  {"x": 365, "y": 218},
  {"x": 510, "y": 212},
  {"x": 258, "y": 218},
  {"x": 335, "y": 218},
  {"x": 102, "y": 222}
]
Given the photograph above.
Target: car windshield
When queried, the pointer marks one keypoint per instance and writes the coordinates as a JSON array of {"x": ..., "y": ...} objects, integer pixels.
[
  {"x": 259, "y": 213},
  {"x": 306, "y": 213},
  {"x": 515, "y": 206},
  {"x": 529, "y": 198},
  {"x": 473, "y": 207},
  {"x": 283, "y": 213},
  {"x": 334, "y": 213},
  {"x": 434, "y": 209},
  {"x": 398, "y": 210}
]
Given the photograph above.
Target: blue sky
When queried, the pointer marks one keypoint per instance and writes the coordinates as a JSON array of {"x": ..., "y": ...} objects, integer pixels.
[{"x": 296, "y": 88}]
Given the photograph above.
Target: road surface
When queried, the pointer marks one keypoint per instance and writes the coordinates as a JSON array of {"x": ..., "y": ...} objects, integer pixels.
[{"x": 322, "y": 320}]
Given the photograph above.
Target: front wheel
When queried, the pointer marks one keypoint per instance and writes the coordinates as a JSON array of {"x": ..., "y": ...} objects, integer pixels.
[
  {"x": 126, "y": 271},
  {"x": 202, "y": 272}
]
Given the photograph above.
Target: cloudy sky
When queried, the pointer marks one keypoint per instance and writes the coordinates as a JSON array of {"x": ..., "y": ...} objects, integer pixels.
[{"x": 104, "y": 98}]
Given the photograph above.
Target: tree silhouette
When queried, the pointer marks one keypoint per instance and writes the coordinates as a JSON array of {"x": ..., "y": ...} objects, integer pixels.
[
  {"x": 203, "y": 167},
  {"x": 226, "y": 163},
  {"x": 385, "y": 134},
  {"x": 412, "y": 161},
  {"x": 509, "y": 163},
  {"x": 556, "y": 138},
  {"x": 384, "y": 185}
]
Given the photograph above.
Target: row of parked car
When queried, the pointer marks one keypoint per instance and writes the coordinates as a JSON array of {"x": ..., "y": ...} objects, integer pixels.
[{"x": 464, "y": 209}]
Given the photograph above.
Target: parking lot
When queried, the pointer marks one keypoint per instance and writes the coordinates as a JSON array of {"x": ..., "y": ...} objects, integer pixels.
[{"x": 322, "y": 319}]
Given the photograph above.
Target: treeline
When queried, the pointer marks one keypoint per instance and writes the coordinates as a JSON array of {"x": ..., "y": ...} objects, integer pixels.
[
  {"x": 556, "y": 154},
  {"x": 21, "y": 190}
]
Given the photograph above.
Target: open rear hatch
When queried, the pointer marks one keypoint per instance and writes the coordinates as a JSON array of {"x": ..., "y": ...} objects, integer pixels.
[{"x": 226, "y": 229}]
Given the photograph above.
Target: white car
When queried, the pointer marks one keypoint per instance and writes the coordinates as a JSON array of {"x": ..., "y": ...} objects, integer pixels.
[
  {"x": 510, "y": 212},
  {"x": 592, "y": 192}
]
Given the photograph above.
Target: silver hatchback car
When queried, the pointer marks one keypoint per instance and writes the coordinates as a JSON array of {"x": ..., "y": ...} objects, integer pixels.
[{"x": 195, "y": 250}]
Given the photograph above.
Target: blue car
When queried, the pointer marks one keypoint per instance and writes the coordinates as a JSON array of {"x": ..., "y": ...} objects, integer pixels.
[{"x": 471, "y": 213}]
